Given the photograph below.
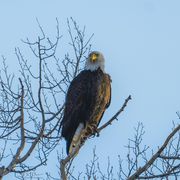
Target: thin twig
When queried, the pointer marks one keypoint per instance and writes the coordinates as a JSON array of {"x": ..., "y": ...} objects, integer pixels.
[{"x": 155, "y": 156}]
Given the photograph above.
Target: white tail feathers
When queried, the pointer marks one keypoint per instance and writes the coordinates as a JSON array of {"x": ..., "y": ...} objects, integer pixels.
[{"x": 76, "y": 138}]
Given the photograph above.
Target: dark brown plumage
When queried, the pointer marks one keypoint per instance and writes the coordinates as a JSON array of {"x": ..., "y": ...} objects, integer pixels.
[{"x": 87, "y": 98}]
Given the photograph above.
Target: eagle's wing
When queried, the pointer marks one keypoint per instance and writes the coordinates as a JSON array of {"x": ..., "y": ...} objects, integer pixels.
[
  {"x": 75, "y": 106},
  {"x": 103, "y": 98},
  {"x": 108, "y": 89}
]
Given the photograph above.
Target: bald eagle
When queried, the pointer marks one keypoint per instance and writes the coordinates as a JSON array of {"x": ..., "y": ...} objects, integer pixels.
[{"x": 88, "y": 96}]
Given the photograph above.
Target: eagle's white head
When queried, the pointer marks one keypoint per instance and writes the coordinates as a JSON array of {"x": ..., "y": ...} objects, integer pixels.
[{"x": 94, "y": 61}]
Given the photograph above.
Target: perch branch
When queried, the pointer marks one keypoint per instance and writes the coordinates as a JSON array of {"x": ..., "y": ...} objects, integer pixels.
[
  {"x": 64, "y": 162},
  {"x": 115, "y": 116}
]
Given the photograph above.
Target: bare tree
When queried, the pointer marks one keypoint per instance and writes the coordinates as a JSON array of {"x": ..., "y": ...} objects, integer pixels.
[
  {"x": 30, "y": 113},
  {"x": 31, "y": 109}
]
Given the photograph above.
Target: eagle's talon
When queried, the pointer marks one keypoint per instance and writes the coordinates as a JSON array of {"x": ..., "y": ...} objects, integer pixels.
[{"x": 97, "y": 133}]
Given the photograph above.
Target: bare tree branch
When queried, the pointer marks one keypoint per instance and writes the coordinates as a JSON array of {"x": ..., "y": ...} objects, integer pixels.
[
  {"x": 137, "y": 174},
  {"x": 30, "y": 115},
  {"x": 109, "y": 122}
]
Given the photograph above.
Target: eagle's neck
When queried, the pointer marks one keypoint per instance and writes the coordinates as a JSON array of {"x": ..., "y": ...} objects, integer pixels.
[{"x": 94, "y": 66}]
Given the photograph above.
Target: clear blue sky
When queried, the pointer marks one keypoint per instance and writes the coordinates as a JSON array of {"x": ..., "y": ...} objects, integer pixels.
[{"x": 141, "y": 43}]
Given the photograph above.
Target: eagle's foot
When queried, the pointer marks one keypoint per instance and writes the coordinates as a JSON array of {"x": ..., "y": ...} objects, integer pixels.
[
  {"x": 92, "y": 129},
  {"x": 95, "y": 133}
]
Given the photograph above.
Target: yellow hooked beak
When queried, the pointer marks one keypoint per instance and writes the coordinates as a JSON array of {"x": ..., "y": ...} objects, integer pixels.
[{"x": 93, "y": 57}]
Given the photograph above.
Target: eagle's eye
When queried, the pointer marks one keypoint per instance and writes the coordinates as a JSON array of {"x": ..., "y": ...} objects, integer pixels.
[{"x": 93, "y": 57}]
